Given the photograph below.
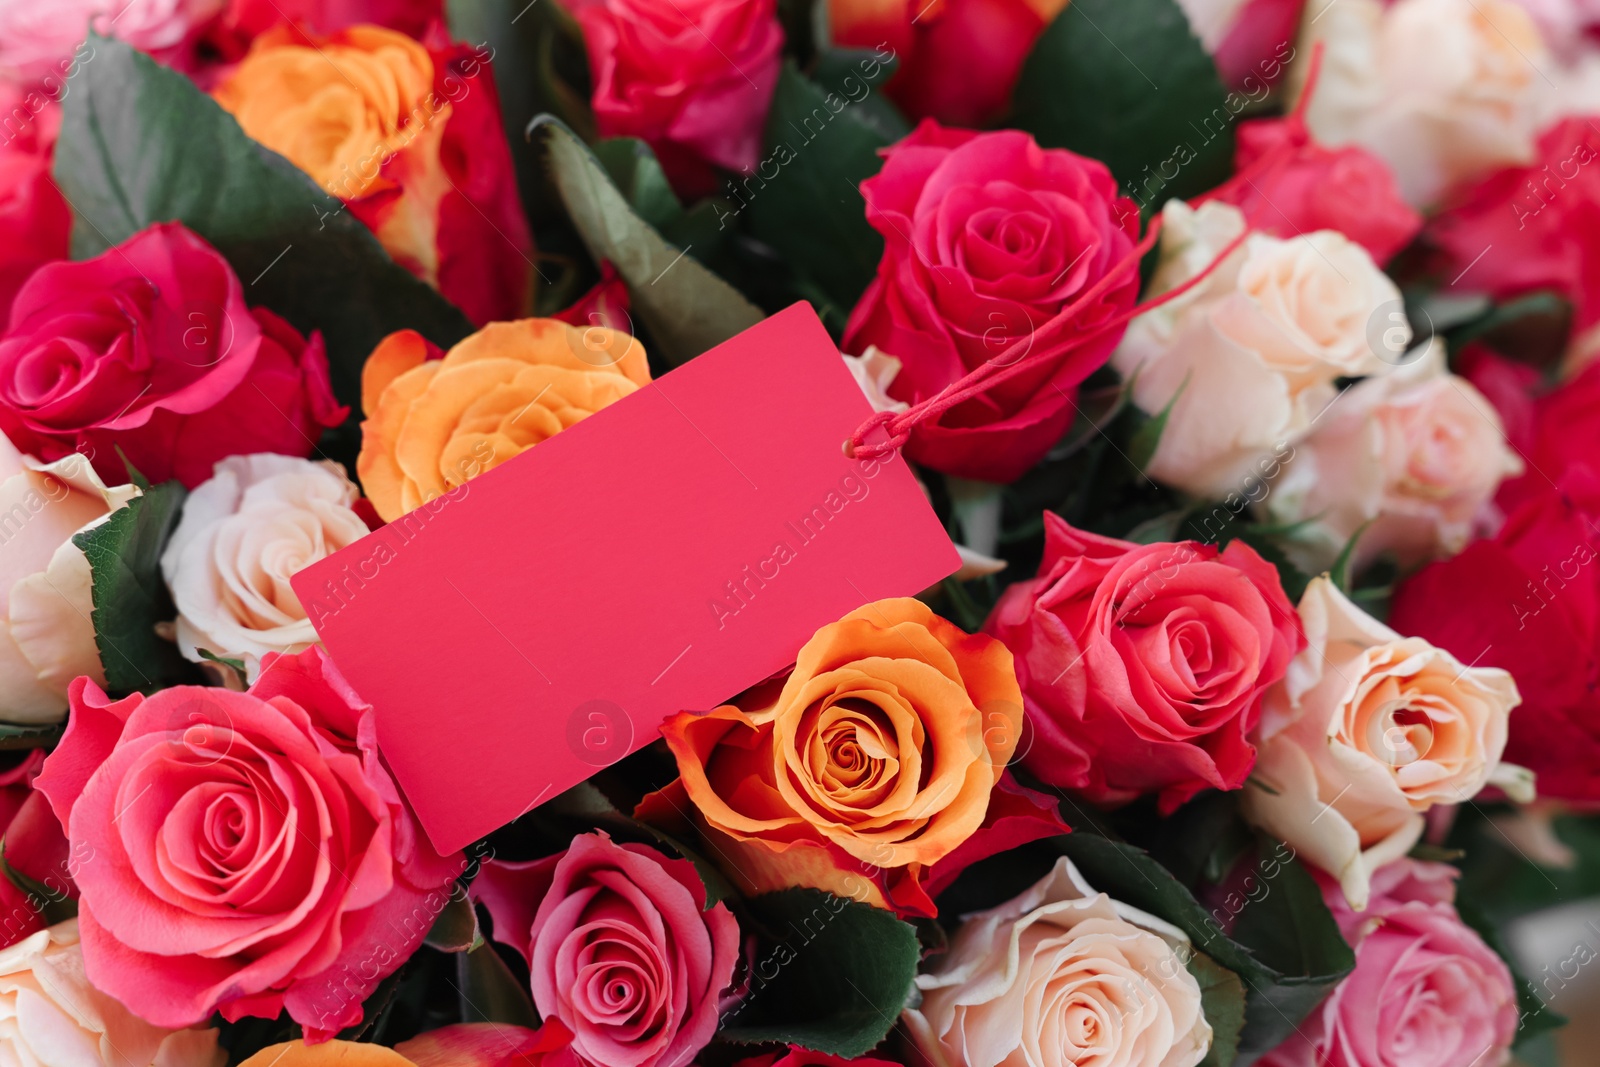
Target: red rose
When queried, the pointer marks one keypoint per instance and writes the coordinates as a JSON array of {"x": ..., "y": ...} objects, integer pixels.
[
  {"x": 959, "y": 59},
  {"x": 1143, "y": 666},
  {"x": 1528, "y": 600},
  {"x": 244, "y": 20},
  {"x": 247, "y": 852},
  {"x": 35, "y": 222},
  {"x": 987, "y": 238},
  {"x": 621, "y": 948},
  {"x": 796, "y": 1056},
  {"x": 1314, "y": 187},
  {"x": 693, "y": 78},
  {"x": 1552, "y": 430},
  {"x": 1542, "y": 221},
  {"x": 150, "y": 347}
]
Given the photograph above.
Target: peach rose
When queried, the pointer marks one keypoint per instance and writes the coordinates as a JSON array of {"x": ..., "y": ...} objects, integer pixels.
[
  {"x": 243, "y": 535},
  {"x": 408, "y": 137},
  {"x": 459, "y": 1045},
  {"x": 432, "y": 422},
  {"x": 1252, "y": 353},
  {"x": 877, "y": 753},
  {"x": 1413, "y": 456},
  {"x": 1444, "y": 91},
  {"x": 1368, "y": 731},
  {"x": 50, "y": 1014},
  {"x": 46, "y": 638},
  {"x": 1061, "y": 975}
]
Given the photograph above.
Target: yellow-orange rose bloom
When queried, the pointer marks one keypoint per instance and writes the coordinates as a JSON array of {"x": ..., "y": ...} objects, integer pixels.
[
  {"x": 876, "y": 755},
  {"x": 431, "y": 424}
]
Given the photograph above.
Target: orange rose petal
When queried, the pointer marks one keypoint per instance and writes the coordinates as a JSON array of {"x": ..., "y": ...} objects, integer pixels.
[
  {"x": 485, "y": 1045},
  {"x": 434, "y": 416},
  {"x": 758, "y": 866},
  {"x": 385, "y": 483},
  {"x": 395, "y": 354},
  {"x": 691, "y": 738},
  {"x": 327, "y": 1054}
]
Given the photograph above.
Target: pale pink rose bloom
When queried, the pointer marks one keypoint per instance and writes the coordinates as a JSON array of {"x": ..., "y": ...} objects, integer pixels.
[
  {"x": 244, "y": 534},
  {"x": 1248, "y": 358},
  {"x": 46, "y": 638},
  {"x": 1410, "y": 459},
  {"x": 38, "y": 37},
  {"x": 1057, "y": 976},
  {"x": 1368, "y": 731},
  {"x": 1426, "y": 991},
  {"x": 51, "y": 1014},
  {"x": 1444, "y": 91}
]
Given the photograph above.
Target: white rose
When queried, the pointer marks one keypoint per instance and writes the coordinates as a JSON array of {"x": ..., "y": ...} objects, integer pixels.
[
  {"x": 1059, "y": 976},
  {"x": 244, "y": 533},
  {"x": 46, "y": 637},
  {"x": 874, "y": 371},
  {"x": 1413, "y": 455},
  {"x": 1250, "y": 354},
  {"x": 1211, "y": 19},
  {"x": 50, "y": 1016},
  {"x": 1444, "y": 91},
  {"x": 1367, "y": 731}
]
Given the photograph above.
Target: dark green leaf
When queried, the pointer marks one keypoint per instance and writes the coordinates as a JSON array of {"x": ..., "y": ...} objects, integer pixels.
[
  {"x": 1126, "y": 82},
  {"x": 687, "y": 308},
  {"x": 14, "y": 736},
  {"x": 804, "y": 199},
  {"x": 1147, "y": 438},
  {"x": 489, "y": 992},
  {"x": 51, "y": 902},
  {"x": 456, "y": 927},
  {"x": 1339, "y": 574},
  {"x": 142, "y": 144},
  {"x": 633, "y": 169},
  {"x": 830, "y": 974},
  {"x": 1222, "y": 1000},
  {"x": 130, "y": 597},
  {"x": 842, "y": 71}
]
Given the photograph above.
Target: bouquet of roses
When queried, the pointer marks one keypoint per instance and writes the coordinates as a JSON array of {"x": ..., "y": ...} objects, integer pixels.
[{"x": 1244, "y": 350}]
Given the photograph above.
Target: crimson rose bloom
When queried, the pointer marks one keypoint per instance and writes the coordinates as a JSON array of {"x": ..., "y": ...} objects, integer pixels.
[
  {"x": 35, "y": 222},
  {"x": 987, "y": 238},
  {"x": 1542, "y": 220},
  {"x": 1528, "y": 600},
  {"x": 1315, "y": 187},
  {"x": 248, "y": 852},
  {"x": 1143, "y": 666},
  {"x": 796, "y": 1056},
  {"x": 692, "y": 78},
  {"x": 150, "y": 347},
  {"x": 621, "y": 948}
]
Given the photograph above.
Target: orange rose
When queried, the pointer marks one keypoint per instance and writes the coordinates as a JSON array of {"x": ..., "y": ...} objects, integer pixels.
[
  {"x": 460, "y": 1045},
  {"x": 433, "y": 423},
  {"x": 875, "y": 757},
  {"x": 409, "y": 139}
]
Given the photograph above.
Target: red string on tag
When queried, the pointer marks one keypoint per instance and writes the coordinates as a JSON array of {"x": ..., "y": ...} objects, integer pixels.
[{"x": 1005, "y": 366}]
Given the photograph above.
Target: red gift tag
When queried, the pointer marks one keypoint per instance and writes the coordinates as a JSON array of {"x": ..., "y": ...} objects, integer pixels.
[{"x": 540, "y": 621}]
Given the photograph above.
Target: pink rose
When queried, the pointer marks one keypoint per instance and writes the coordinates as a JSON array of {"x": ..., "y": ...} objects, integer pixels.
[
  {"x": 620, "y": 946},
  {"x": 150, "y": 347},
  {"x": 1426, "y": 991},
  {"x": 250, "y": 851},
  {"x": 988, "y": 237},
  {"x": 692, "y": 78},
  {"x": 37, "y": 39},
  {"x": 1314, "y": 187},
  {"x": 35, "y": 222},
  {"x": 1143, "y": 666},
  {"x": 244, "y": 20},
  {"x": 795, "y": 1056}
]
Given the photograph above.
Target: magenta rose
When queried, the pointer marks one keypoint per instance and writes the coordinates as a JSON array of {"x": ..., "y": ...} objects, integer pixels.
[
  {"x": 1426, "y": 991},
  {"x": 795, "y": 1056},
  {"x": 250, "y": 852},
  {"x": 621, "y": 948},
  {"x": 987, "y": 238},
  {"x": 35, "y": 222},
  {"x": 692, "y": 78},
  {"x": 149, "y": 347},
  {"x": 1143, "y": 666}
]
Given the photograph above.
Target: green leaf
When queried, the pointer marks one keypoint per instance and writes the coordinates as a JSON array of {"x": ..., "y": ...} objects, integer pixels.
[
  {"x": 830, "y": 974},
  {"x": 130, "y": 597},
  {"x": 489, "y": 992},
  {"x": 52, "y": 904},
  {"x": 1339, "y": 574},
  {"x": 686, "y": 307},
  {"x": 1147, "y": 438},
  {"x": 142, "y": 144},
  {"x": 804, "y": 198},
  {"x": 456, "y": 927},
  {"x": 633, "y": 169},
  {"x": 1222, "y": 1000},
  {"x": 14, "y": 736},
  {"x": 1126, "y": 82},
  {"x": 1285, "y": 947}
]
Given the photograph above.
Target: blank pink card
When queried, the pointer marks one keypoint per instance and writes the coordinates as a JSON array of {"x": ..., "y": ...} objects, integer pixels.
[{"x": 539, "y": 622}]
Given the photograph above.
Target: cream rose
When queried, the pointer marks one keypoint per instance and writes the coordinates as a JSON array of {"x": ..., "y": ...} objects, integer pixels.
[
  {"x": 244, "y": 533},
  {"x": 1414, "y": 456},
  {"x": 1061, "y": 975},
  {"x": 1366, "y": 732},
  {"x": 1252, "y": 353},
  {"x": 1443, "y": 90},
  {"x": 50, "y": 1014},
  {"x": 46, "y": 638}
]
